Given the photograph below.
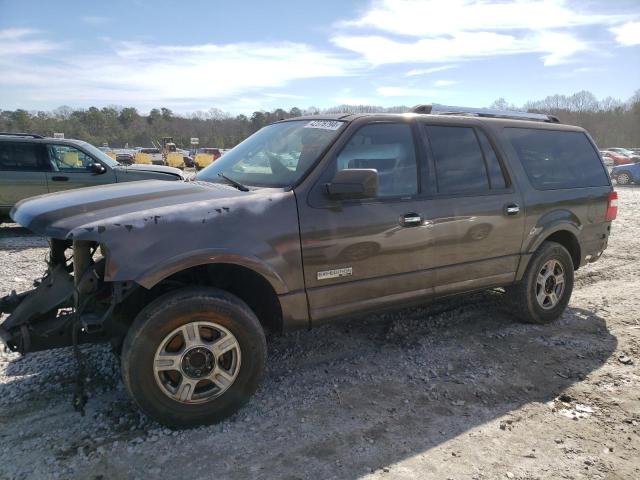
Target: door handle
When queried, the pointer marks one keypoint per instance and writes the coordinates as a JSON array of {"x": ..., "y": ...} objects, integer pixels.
[
  {"x": 411, "y": 220},
  {"x": 60, "y": 179},
  {"x": 511, "y": 209}
]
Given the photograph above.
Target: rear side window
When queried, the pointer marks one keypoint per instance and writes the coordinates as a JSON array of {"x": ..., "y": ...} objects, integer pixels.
[
  {"x": 555, "y": 159},
  {"x": 20, "y": 156},
  {"x": 459, "y": 162}
]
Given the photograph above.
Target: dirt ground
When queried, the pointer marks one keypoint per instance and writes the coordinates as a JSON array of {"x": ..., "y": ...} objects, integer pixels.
[{"x": 452, "y": 390}]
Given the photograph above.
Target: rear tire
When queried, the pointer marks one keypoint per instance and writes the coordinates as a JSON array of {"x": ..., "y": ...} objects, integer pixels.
[
  {"x": 193, "y": 357},
  {"x": 545, "y": 289},
  {"x": 623, "y": 178}
]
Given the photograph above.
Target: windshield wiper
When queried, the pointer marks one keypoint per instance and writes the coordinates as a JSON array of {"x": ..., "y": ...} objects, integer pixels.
[{"x": 238, "y": 185}]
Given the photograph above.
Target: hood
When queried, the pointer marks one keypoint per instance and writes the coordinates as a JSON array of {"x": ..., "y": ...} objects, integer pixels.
[
  {"x": 58, "y": 215},
  {"x": 142, "y": 169},
  {"x": 154, "y": 228}
]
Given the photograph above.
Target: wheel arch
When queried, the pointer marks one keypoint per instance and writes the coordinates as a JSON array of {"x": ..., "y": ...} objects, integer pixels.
[
  {"x": 569, "y": 241},
  {"x": 158, "y": 273},
  {"x": 249, "y": 285},
  {"x": 565, "y": 233},
  {"x": 248, "y": 278},
  {"x": 627, "y": 172}
]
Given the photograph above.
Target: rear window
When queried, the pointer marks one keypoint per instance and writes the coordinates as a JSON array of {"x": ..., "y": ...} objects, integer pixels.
[{"x": 555, "y": 159}]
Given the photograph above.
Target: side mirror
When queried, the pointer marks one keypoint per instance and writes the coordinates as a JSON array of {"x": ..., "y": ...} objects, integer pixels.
[
  {"x": 354, "y": 183},
  {"x": 97, "y": 168}
]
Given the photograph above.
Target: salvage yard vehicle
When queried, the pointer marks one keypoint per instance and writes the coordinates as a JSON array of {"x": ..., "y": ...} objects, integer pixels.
[
  {"x": 378, "y": 211},
  {"x": 626, "y": 174},
  {"x": 630, "y": 154},
  {"x": 32, "y": 165},
  {"x": 155, "y": 153}
]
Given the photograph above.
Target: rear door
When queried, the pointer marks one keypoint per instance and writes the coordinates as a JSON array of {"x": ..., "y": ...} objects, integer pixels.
[
  {"x": 475, "y": 217},
  {"x": 71, "y": 168},
  {"x": 22, "y": 172}
]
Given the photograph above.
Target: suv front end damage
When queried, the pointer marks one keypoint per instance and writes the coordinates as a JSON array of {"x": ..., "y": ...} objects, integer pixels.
[{"x": 70, "y": 304}]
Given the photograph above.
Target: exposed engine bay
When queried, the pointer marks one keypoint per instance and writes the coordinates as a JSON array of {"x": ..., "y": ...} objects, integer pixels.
[{"x": 70, "y": 304}]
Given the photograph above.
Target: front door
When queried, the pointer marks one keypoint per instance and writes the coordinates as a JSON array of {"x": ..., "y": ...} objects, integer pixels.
[
  {"x": 71, "y": 168},
  {"x": 362, "y": 253}
]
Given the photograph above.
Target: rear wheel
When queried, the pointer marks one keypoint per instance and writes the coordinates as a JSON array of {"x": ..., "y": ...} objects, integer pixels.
[
  {"x": 623, "y": 178},
  {"x": 193, "y": 357},
  {"x": 545, "y": 289}
]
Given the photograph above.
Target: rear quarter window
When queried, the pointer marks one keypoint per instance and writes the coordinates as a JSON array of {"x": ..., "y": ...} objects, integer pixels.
[
  {"x": 556, "y": 159},
  {"x": 21, "y": 156}
]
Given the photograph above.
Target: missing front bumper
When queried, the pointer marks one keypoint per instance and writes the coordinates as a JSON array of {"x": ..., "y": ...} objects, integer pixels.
[{"x": 45, "y": 317}]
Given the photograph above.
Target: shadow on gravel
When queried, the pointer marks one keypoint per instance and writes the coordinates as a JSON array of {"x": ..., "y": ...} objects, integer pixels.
[
  {"x": 422, "y": 383},
  {"x": 346, "y": 399},
  {"x": 15, "y": 237}
]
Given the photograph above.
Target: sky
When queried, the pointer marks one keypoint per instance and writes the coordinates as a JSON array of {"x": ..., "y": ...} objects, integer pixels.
[{"x": 242, "y": 56}]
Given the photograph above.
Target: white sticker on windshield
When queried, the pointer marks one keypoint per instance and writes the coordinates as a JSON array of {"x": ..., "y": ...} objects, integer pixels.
[{"x": 324, "y": 124}]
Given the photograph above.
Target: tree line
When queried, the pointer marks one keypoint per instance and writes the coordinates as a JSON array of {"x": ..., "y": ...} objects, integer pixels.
[{"x": 610, "y": 121}]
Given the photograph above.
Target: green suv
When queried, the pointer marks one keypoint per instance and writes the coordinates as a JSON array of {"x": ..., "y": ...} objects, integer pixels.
[{"x": 32, "y": 165}]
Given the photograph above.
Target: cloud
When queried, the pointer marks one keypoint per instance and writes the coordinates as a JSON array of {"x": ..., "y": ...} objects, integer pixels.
[
  {"x": 435, "y": 18},
  {"x": 286, "y": 96},
  {"x": 20, "y": 42},
  {"x": 139, "y": 73},
  {"x": 434, "y": 31},
  {"x": 445, "y": 83},
  {"x": 627, "y": 34},
  {"x": 12, "y": 34},
  {"x": 378, "y": 50},
  {"x": 353, "y": 101},
  {"x": 404, "y": 92},
  {"x": 427, "y": 71}
]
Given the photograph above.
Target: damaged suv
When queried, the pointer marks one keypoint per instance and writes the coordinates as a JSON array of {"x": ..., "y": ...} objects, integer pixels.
[{"x": 308, "y": 220}]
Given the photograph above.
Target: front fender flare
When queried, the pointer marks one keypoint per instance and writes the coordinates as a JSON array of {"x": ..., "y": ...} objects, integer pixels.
[{"x": 152, "y": 277}]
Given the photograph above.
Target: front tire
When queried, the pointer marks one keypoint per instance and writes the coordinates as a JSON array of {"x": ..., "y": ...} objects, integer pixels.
[
  {"x": 193, "y": 357},
  {"x": 545, "y": 289}
]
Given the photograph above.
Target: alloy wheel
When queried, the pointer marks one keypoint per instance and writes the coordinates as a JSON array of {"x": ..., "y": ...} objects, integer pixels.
[
  {"x": 197, "y": 362},
  {"x": 550, "y": 284},
  {"x": 623, "y": 179}
]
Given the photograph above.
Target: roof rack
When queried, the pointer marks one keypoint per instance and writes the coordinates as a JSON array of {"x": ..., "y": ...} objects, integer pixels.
[
  {"x": 436, "y": 109},
  {"x": 30, "y": 135}
]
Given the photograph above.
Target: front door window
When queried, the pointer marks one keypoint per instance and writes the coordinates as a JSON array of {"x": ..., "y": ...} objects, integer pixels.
[{"x": 69, "y": 159}]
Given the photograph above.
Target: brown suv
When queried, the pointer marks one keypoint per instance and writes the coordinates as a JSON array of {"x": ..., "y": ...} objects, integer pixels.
[{"x": 310, "y": 219}]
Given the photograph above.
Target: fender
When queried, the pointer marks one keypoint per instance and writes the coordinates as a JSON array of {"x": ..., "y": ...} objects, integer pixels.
[{"x": 152, "y": 277}]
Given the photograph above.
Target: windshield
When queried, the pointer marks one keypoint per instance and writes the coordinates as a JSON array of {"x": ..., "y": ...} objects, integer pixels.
[
  {"x": 97, "y": 153},
  {"x": 275, "y": 156}
]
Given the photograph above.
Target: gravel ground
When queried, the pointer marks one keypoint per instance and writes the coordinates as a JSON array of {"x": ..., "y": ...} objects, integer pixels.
[{"x": 453, "y": 390}]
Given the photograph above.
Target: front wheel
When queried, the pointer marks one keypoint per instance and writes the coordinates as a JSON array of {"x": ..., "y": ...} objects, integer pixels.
[
  {"x": 545, "y": 289},
  {"x": 193, "y": 357}
]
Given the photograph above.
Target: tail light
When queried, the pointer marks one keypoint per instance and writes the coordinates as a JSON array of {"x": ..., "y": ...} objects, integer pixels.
[{"x": 612, "y": 207}]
